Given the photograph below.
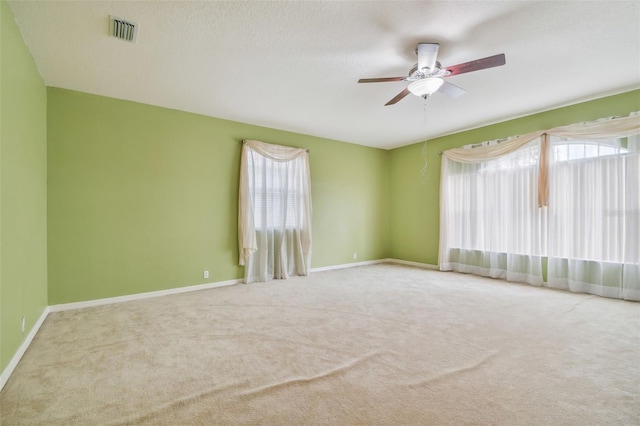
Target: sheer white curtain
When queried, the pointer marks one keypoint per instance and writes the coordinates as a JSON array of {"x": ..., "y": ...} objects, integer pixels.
[
  {"x": 570, "y": 195},
  {"x": 490, "y": 222},
  {"x": 274, "y": 223},
  {"x": 594, "y": 216}
]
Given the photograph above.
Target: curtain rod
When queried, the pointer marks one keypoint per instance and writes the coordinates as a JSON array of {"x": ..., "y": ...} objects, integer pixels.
[
  {"x": 243, "y": 141},
  {"x": 598, "y": 120}
]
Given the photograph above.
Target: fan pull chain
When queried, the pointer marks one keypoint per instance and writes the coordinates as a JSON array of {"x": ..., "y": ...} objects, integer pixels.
[
  {"x": 424, "y": 109},
  {"x": 423, "y": 170}
]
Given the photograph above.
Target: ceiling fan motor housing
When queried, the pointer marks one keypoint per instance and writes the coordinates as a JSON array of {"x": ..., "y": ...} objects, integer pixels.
[{"x": 416, "y": 74}]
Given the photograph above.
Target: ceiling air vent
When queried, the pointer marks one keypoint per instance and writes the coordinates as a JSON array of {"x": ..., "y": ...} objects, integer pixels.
[{"x": 123, "y": 30}]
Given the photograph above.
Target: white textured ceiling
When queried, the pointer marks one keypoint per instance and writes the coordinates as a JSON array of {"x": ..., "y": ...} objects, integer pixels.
[{"x": 294, "y": 65}]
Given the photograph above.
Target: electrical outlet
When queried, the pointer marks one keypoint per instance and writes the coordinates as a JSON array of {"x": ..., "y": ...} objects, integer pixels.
[
  {"x": 355, "y": 256},
  {"x": 205, "y": 274},
  {"x": 24, "y": 324}
]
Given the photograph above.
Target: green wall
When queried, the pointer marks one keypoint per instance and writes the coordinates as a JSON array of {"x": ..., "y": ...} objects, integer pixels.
[
  {"x": 142, "y": 198},
  {"x": 23, "y": 189},
  {"x": 414, "y": 199}
]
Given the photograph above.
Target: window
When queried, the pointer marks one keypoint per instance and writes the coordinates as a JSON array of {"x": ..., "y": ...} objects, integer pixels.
[
  {"x": 492, "y": 222},
  {"x": 274, "y": 221},
  {"x": 280, "y": 192},
  {"x": 564, "y": 150},
  {"x": 594, "y": 225},
  {"x": 509, "y": 211}
]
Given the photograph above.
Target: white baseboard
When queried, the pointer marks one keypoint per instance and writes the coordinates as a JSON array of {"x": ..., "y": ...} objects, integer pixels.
[
  {"x": 138, "y": 296},
  {"x": 373, "y": 262},
  {"x": 4, "y": 377},
  {"x": 348, "y": 265},
  {"x": 416, "y": 264},
  {"x": 207, "y": 286}
]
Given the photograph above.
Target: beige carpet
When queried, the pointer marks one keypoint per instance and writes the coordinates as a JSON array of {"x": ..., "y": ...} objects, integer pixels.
[{"x": 374, "y": 345}]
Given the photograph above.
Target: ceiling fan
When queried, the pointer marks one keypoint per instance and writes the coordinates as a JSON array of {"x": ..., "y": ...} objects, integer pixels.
[{"x": 427, "y": 76}]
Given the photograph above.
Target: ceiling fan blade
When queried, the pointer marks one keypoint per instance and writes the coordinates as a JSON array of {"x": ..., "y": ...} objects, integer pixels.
[
  {"x": 451, "y": 90},
  {"x": 398, "y": 97},
  {"x": 380, "y": 80},
  {"x": 427, "y": 55},
  {"x": 477, "y": 65}
]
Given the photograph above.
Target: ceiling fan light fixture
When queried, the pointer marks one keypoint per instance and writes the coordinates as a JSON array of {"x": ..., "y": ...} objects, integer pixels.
[{"x": 425, "y": 86}]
